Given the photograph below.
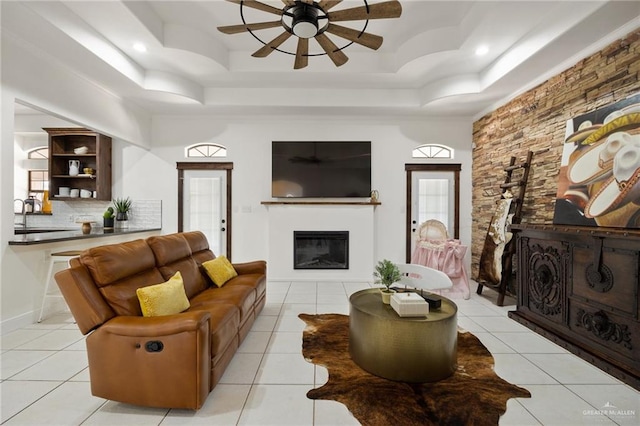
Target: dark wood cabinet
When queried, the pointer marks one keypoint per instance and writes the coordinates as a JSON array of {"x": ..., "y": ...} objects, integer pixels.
[
  {"x": 579, "y": 287},
  {"x": 63, "y": 143}
]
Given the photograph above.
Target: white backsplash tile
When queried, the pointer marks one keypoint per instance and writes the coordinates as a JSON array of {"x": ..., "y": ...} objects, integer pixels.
[{"x": 143, "y": 214}]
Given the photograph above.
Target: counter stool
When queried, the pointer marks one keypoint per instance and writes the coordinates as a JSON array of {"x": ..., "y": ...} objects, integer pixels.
[{"x": 63, "y": 256}]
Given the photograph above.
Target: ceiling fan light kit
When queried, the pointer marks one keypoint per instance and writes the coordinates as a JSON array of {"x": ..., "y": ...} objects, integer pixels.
[{"x": 307, "y": 19}]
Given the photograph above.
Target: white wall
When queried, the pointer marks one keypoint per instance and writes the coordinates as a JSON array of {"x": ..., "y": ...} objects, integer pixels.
[
  {"x": 40, "y": 81},
  {"x": 145, "y": 152},
  {"x": 248, "y": 140},
  {"x": 37, "y": 79},
  {"x": 28, "y": 135},
  {"x": 152, "y": 174}
]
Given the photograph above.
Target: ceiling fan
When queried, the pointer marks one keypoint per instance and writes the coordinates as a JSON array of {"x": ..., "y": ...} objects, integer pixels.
[{"x": 307, "y": 19}]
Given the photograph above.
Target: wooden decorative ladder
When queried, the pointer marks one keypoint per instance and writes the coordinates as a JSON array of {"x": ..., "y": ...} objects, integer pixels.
[{"x": 517, "y": 187}]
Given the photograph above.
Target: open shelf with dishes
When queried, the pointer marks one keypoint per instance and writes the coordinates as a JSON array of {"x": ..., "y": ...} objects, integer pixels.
[{"x": 79, "y": 159}]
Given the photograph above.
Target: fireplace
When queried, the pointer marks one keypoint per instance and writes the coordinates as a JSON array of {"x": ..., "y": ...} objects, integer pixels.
[{"x": 320, "y": 249}]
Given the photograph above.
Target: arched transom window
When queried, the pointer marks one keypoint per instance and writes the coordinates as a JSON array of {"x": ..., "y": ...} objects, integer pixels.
[
  {"x": 40, "y": 153},
  {"x": 205, "y": 150},
  {"x": 432, "y": 150}
]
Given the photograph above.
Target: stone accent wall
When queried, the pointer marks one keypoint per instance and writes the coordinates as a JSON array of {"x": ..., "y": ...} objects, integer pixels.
[{"x": 536, "y": 121}]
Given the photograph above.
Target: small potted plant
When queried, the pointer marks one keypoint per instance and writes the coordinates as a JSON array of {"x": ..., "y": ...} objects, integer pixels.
[
  {"x": 386, "y": 273},
  {"x": 123, "y": 206},
  {"x": 108, "y": 217}
]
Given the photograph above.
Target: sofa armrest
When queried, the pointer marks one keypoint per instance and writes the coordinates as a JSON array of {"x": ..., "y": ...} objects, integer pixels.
[
  {"x": 156, "y": 326},
  {"x": 152, "y": 361},
  {"x": 254, "y": 267}
]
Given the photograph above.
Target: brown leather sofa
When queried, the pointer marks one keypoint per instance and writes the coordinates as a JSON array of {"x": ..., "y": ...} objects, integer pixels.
[{"x": 170, "y": 361}]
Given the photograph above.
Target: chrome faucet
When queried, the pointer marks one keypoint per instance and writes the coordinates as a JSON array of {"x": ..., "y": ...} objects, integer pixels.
[{"x": 23, "y": 212}]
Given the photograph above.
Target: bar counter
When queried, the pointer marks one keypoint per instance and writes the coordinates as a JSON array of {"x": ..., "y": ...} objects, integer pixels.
[{"x": 70, "y": 235}]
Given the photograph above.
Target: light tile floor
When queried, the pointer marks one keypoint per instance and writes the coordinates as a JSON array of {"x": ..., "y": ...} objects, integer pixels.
[{"x": 44, "y": 377}]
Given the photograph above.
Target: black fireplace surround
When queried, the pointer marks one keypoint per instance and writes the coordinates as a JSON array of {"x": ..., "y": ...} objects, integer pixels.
[{"x": 320, "y": 249}]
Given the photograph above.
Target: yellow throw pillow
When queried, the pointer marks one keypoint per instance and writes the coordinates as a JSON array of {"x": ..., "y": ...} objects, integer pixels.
[
  {"x": 220, "y": 270},
  {"x": 167, "y": 298}
]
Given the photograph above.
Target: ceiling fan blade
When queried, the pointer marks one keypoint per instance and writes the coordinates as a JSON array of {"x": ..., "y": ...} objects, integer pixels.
[
  {"x": 265, "y": 50},
  {"x": 371, "y": 41},
  {"x": 307, "y": 1},
  {"x": 328, "y": 4},
  {"x": 387, "y": 9},
  {"x": 236, "y": 29},
  {"x": 337, "y": 56},
  {"x": 257, "y": 5},
  {"x": 302, "y": 60},
  {"x": 289, "y": 2}
]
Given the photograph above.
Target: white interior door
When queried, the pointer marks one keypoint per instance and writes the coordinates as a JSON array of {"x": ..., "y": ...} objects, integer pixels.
[
  {"x": 205, "y": 206},
  {"x": 432, "y": 197}
]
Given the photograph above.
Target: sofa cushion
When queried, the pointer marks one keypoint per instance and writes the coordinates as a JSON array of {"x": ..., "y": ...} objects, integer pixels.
[
  {"x": 199, "y": 245},
  {"x": 110, "y": 263},
  {"x": 257, "y": 282},
  {"x": 243, "y": 297},
  {"x": 167, "y": 298},
  {"x": 223, "y": 324},
  {"x": 194, "y": 281},
  {"x": 119, "y": 270},
  {"x": 172, "y": 254},
  {"x": 169, "y": 248},
  {"x": 220, "y": 270},
  {"x": 121, "y": 295}
]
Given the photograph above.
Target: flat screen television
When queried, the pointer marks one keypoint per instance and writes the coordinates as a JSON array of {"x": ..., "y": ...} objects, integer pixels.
[{"x": 320, "y": 169}]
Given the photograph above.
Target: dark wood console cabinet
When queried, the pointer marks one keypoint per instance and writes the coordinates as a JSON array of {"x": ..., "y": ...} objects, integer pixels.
[{"x": 578, "y": 287}]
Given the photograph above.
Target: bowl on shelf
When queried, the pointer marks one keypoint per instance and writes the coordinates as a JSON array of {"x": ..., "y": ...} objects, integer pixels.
[
  {"x": 88, "y": 171},
  {"x": 81, "y": 150}
]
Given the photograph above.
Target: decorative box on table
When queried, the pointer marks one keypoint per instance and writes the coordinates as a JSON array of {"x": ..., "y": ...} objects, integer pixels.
[{"x": 409, "y": 305}]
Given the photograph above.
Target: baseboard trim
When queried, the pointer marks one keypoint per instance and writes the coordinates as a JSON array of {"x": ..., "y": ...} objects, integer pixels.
[
  {"x": 363, "y": 280},
  {"x": 15, "y": 323}
]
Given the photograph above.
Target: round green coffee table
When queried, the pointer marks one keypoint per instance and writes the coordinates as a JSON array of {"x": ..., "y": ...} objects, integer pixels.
[{"x": 406, "y": 349}]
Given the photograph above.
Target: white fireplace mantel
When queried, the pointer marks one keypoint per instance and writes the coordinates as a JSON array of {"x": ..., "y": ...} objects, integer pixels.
[{"x": 286, "y": 217}]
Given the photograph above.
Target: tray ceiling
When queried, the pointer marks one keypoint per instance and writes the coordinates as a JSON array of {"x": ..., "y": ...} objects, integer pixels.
[{"x": 427, "y": 64}]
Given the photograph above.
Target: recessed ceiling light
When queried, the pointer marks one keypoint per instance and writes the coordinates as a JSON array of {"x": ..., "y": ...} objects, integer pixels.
[
  {"x": 140, "y": 47},
  {"x": 482, "y": 50}
]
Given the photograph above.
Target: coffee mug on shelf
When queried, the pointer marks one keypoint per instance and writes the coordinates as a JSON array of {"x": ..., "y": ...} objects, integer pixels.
[
  {"x": 63, "y": 191},
  {"x": 85, "y": 193},
  {"x": 74, "y": 193}
]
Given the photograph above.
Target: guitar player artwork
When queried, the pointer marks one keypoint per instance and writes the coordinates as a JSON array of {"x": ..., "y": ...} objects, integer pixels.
[{"x": 599, "y": 181}]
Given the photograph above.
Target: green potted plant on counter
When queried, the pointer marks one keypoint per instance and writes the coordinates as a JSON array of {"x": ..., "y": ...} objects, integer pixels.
[
  {"x": 386, "y": 273},
  {"x": 108, "y": 218},
  {"x": 123, "y": 206}
]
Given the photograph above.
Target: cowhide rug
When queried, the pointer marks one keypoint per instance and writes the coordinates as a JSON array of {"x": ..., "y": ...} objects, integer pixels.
[{"x": 473, "y": 395}]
